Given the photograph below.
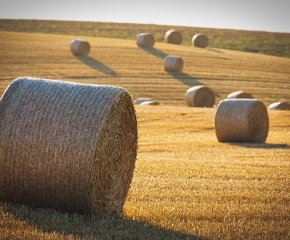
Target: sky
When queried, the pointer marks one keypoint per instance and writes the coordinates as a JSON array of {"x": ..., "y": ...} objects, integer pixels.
[{"x": 257, "y": 15}]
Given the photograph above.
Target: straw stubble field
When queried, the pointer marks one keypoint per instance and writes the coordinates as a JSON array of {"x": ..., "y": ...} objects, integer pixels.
[{"x": 186, "y": 184}]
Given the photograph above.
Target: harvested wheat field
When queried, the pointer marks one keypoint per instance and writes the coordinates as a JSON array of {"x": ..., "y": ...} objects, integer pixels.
[{"x": 186, "y": 184}]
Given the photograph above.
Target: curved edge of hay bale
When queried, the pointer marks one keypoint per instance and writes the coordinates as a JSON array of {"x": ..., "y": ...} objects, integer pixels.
[
  {"x": 173, "y": 63},
  {"x": 173, "y": 36},
  {"x": 138, "y": 101},
  {"x": 145, "y": 40},
  {"x": 241, "y": 120},
  {"x": 200, "y": 40},
  {"x": 240, "y": 94},
  {"x": 73, "y": 158},
  {"x": 80, "y": 47},
  {"x": 279, "y": 106},
  {"x": 149, "y": 103},
  {"x": 200, "y": 96}
]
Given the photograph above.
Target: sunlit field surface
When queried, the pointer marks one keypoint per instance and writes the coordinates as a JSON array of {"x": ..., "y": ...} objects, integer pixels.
[{"x": 186, "y": 184}]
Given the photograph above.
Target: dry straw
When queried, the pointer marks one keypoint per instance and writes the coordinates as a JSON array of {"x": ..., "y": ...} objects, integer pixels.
[
  {"x": 145, "y": 40},
  {"x": 239, "y": 94},
  {"x": 173, "y": 63},
  {"x": 279, "y": 106},
  {"x": 68, "y": 146},
  {"x": 173, "y": 36},
  {"x": 200, "y": 40},
  {"x": 200, "y": 96},
  {"x": 241, "y": 120},
  {"x": 80, "y": 47}
]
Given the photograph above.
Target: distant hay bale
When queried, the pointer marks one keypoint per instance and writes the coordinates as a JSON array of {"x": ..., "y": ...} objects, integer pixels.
[
  {"x": 80, "y": 47},
  {"x": 200, "y": 96},
  {"x": 152, "y": 103},
  {"x": 200, "y": 40},
  {"x": 239, "y": 94},
  {"x": 173, "y": 63},
  {"x": 279, "y": 106},
  {"x": 140, "y": 100},
  {"x": 241, "y": 120},
  {"x": 145, "y": 40},
  {"x": 173, "y": 36},
  {"x": 67, "y": 146}
]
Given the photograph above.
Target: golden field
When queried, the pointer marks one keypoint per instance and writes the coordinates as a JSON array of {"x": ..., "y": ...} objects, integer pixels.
[{"x": 186, "y": 184}]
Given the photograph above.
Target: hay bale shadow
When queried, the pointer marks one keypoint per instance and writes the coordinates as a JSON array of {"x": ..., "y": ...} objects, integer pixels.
[
  {"x": 214, "y": 50},
  {"x": 95, "y": 64},
  {"x": 262, "y": 145},
  {"x": 185, "y": 78},
  {"x": 78, "y": 226},
  {"x": 155, "y": 52},
  {"x": 188, "y": 80}
]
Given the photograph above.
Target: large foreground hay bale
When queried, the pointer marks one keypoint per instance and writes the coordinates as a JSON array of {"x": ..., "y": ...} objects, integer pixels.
[
  {"x": 68, "y": 146},
  {"x": 200, "y": 96},
  {"x": 173, "y": 63},
  {"x": 241, "y": 120},
  {"x": 200, "y": 40},
  {"x": 239, "y": 94},
  {"x": 173, "y": 36},
  {"x": 80, "y": 47},
  {"x": 145, "y": 40},
  {"x": 279, "y": 106}
]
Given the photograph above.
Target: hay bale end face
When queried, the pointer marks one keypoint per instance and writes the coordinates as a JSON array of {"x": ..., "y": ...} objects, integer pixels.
[
  {"x": 200, "y": 40},
  {"x": 173, "y": 63},
  {"x": 138, "y": 101},
  {"x": 239, "y": 94},
  {"x": 279, "y": 106},
  {"x": 145, "y": 40},
  {"x": 200, "y": 96},
  {"x": 67, "y": 146},
  {"x": 149, "y": 103},
  {"x": 241, "y": 120},
  {"x": 80, "y": 47},
  {"x": 173, "y": 36}
]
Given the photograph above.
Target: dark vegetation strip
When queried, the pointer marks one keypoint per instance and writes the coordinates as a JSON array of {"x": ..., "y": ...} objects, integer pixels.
[{"x": 271, "y": 43}]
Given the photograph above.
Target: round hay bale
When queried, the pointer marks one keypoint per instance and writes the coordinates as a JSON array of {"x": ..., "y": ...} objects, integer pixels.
[
  {"x": 173, "y": 63},
  {"x": 140, "y": 100},
  {"x": 152, "y": 103},
  {"x": 67, "y": 146},
  {"x": 241, "y": 120},
  {"x": 80, "y": 47},
  {"x": 173, "y": 36},
  {"x": 239, "y": 94},
  {"x": 200, "y": 40},
  {"x": 200, "y": 96},
  {"x": 145, "y": 40},
  {"x": 279, "y": 106}
]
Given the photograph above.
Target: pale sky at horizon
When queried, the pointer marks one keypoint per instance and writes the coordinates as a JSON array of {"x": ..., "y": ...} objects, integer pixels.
[{"x": 257, "y": 15}]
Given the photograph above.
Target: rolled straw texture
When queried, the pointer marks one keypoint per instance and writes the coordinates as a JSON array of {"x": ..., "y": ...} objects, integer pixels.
[
  {"x": 279, "y": 106},
  {"x": 67, "y": 146},
  {"x": 241, "y": 120},
  {"x": 145, "y": 40},
  {"x": 173, "y": 63},
  {"x": 173, "y": 36},
  {"x": 200, "y": 96},
  {"x": 80, "y": 47},
  {"x": 200, "y": 40},
  {"x": 239, "y": 94}
]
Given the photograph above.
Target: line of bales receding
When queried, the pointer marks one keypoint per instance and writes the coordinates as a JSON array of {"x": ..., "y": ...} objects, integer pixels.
[{"x": 239, "y": 117}]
